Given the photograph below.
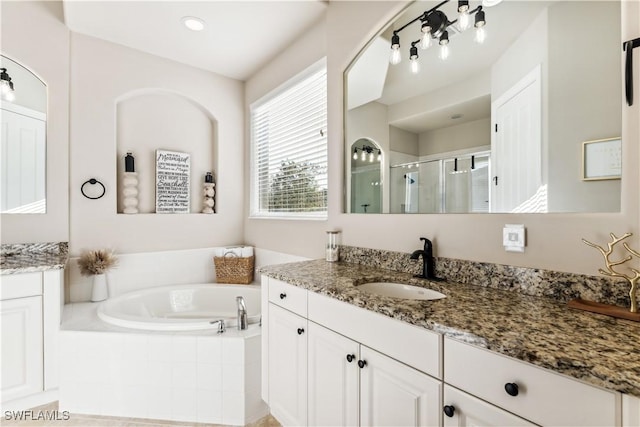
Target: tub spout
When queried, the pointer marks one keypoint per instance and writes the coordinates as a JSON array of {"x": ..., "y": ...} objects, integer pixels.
[
  {"x": 221, "y": 326},
  {"x": 242, "y": 314}
]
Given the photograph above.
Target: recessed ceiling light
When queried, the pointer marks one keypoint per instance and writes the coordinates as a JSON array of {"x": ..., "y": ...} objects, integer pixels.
[{"x": 193, "y": 23}]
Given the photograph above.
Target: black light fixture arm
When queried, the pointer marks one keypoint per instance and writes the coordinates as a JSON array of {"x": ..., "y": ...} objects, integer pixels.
[
  {"x": 628, "y": 46},
  {"x": 421, "y": 17}
]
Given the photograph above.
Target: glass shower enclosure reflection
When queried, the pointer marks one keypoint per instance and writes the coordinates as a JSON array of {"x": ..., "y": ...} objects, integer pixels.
[{"x": 449, "y": 185}]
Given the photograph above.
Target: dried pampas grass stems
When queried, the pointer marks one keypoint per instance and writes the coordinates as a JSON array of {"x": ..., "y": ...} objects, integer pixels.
[{"x": 96, "y": 262}]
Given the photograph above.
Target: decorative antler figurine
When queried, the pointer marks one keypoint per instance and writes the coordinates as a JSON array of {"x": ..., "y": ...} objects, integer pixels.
[{"x": 633, "y": 280}]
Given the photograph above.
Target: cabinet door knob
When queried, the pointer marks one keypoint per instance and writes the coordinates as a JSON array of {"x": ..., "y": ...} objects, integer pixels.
[
  {"x": 350, "y": 357},
  {"x": 449, "y": 410},
  {"x": 300, "y": 331},
  {"x": 511, "y": 389},
  {"x": 283, "y": 296},
  {"x": 362, "y": 363}
]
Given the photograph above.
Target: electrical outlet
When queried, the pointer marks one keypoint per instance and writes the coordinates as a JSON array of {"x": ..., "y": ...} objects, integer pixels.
[{"x": 513, "y": 237}]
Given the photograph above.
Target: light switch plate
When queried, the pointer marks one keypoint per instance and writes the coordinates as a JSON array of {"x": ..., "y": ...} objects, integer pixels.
[{"x": 513, "y": 237}]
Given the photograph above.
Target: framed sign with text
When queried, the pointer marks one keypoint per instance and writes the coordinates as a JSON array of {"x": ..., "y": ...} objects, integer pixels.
[
  {"x": 173, "y": 172},
  {"x": 602, "y": 159}
]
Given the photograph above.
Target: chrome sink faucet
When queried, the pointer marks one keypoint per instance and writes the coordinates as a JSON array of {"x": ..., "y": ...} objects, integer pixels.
[
  {"x": 428, "y": 266},
  {"x": 242, "y": 314}
]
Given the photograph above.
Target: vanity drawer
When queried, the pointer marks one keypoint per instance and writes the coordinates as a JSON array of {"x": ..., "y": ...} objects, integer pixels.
[
  {"x": 20, "y": 285},
  {"x": 288, "y": 296},
  {"x": 542, "y": 396}
]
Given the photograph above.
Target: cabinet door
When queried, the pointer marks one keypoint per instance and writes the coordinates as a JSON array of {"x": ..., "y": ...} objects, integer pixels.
[
  {"x": 393, "y": 394},
  {"x": 287, "y": 366},
  {"x": 630, "y": 411},
  {"x": 463, "y": 410},
  {"x": 22, "y": 356},
  {"x": 333, "y": 378}
]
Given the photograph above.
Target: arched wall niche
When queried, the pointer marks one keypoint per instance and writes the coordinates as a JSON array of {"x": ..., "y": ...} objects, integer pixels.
[{"x": 157, "y": 119}]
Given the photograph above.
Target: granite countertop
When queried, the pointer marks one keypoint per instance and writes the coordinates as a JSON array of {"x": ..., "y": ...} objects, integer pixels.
[
  {"x": 33, "y": 257},
  {"x": 593, "y": 348}
]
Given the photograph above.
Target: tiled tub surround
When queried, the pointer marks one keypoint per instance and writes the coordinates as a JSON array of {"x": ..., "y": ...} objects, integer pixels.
[
  {"x": 32, "y": 257},
  {"x": 195, "y": 376},
  {"x": 596, "y": 349}
]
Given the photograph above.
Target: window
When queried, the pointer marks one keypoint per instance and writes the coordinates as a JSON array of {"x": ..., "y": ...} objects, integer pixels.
[{"x": 289, "y": 149}]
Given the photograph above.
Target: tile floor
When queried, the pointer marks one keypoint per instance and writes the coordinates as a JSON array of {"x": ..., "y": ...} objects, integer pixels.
[{"x": 76, "y": 420}]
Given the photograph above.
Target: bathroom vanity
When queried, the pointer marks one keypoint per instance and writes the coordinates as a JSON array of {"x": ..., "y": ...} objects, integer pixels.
[
  {"x": 31, "y": 297},
  {"x": 336, "y": 355}
]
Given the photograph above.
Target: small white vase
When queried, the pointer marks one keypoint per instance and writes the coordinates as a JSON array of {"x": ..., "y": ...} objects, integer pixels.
[{"x": 99, "y": 292}]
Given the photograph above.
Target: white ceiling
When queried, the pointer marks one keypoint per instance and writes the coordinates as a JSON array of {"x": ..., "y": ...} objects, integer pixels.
[{"x": 239, "y": 36}]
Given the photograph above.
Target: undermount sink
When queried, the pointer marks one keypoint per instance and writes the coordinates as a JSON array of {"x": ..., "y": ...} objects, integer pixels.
[{"x": 400, "y": 290}]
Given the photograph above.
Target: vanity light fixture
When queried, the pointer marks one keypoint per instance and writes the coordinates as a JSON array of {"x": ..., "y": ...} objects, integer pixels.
[
  {"x": 434, "y": 26},
  {"x": 193, "y": 23},
  {"x": 367, "y": 151},
  {"x": 6, "y": 86}
]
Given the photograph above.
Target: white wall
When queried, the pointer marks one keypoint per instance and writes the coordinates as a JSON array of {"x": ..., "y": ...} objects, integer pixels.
[
  {"x": 403, "y": 141},
  {"x": 553, "y": 239},
  {"x": 575, "y": 79},
  {"x": 104, "y": 73},
  {"x": 33, "y": 34},
  {"x": 459, "y": 137}
]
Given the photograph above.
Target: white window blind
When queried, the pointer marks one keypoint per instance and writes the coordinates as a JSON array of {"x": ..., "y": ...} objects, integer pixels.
[{"x": 289, "y": 150}]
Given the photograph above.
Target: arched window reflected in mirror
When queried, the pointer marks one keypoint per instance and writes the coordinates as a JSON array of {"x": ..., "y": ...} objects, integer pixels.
[
  {"x": 366, "y": 177},
  {"x": 24, "y": 125}
]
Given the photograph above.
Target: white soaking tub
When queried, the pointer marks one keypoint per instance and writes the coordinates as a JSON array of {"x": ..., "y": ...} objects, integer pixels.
[
  {"x": 158, "y": 357},
  {"x": 181, "y": 308}
]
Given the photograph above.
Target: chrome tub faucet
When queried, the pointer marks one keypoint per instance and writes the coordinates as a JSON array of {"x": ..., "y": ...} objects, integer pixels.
[{"x": 242, "y": 314}]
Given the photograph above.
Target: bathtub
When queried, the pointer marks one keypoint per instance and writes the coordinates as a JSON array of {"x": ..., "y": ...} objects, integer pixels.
[
  {"x": 181, "y": 308},
  {"x": 153, "y": 354}
]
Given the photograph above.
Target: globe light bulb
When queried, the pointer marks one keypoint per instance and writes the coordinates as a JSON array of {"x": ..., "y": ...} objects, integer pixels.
[
  {"x": 364, "y": 156},
  {"x": 355, "y": 154},
  {"x": 481, "y": 35},
  {"x": 371, "y": 157},
  {"x": 395, "y": 57},
  {"x": 426, "y": 41},
  {"x": 415, "y": 66},
  {"x": 464, "y": 20},
  {"x": 444, "y": 51},
  {"x": 10, "y": 96}
]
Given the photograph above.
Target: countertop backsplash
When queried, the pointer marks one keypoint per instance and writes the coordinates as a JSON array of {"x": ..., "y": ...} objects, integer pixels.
[{"x": 556, "y": 285}]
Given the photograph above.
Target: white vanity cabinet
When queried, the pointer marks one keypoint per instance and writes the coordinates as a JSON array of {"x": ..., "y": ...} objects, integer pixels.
[
  {"x": 535, "y": 394},
  {"x": 350, "y": 384},
  {"x": 30, "y": 317},
  {"x": 328, "y": 363}
]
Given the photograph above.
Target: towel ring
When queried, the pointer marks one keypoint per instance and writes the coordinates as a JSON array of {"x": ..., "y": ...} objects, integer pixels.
[{"x": 93, "y": 181}]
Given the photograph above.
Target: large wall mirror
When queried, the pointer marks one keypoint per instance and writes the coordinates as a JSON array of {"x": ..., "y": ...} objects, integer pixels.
[
  {"x": 24, "y": 123},
  {"x": 493, "y": 118}
]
